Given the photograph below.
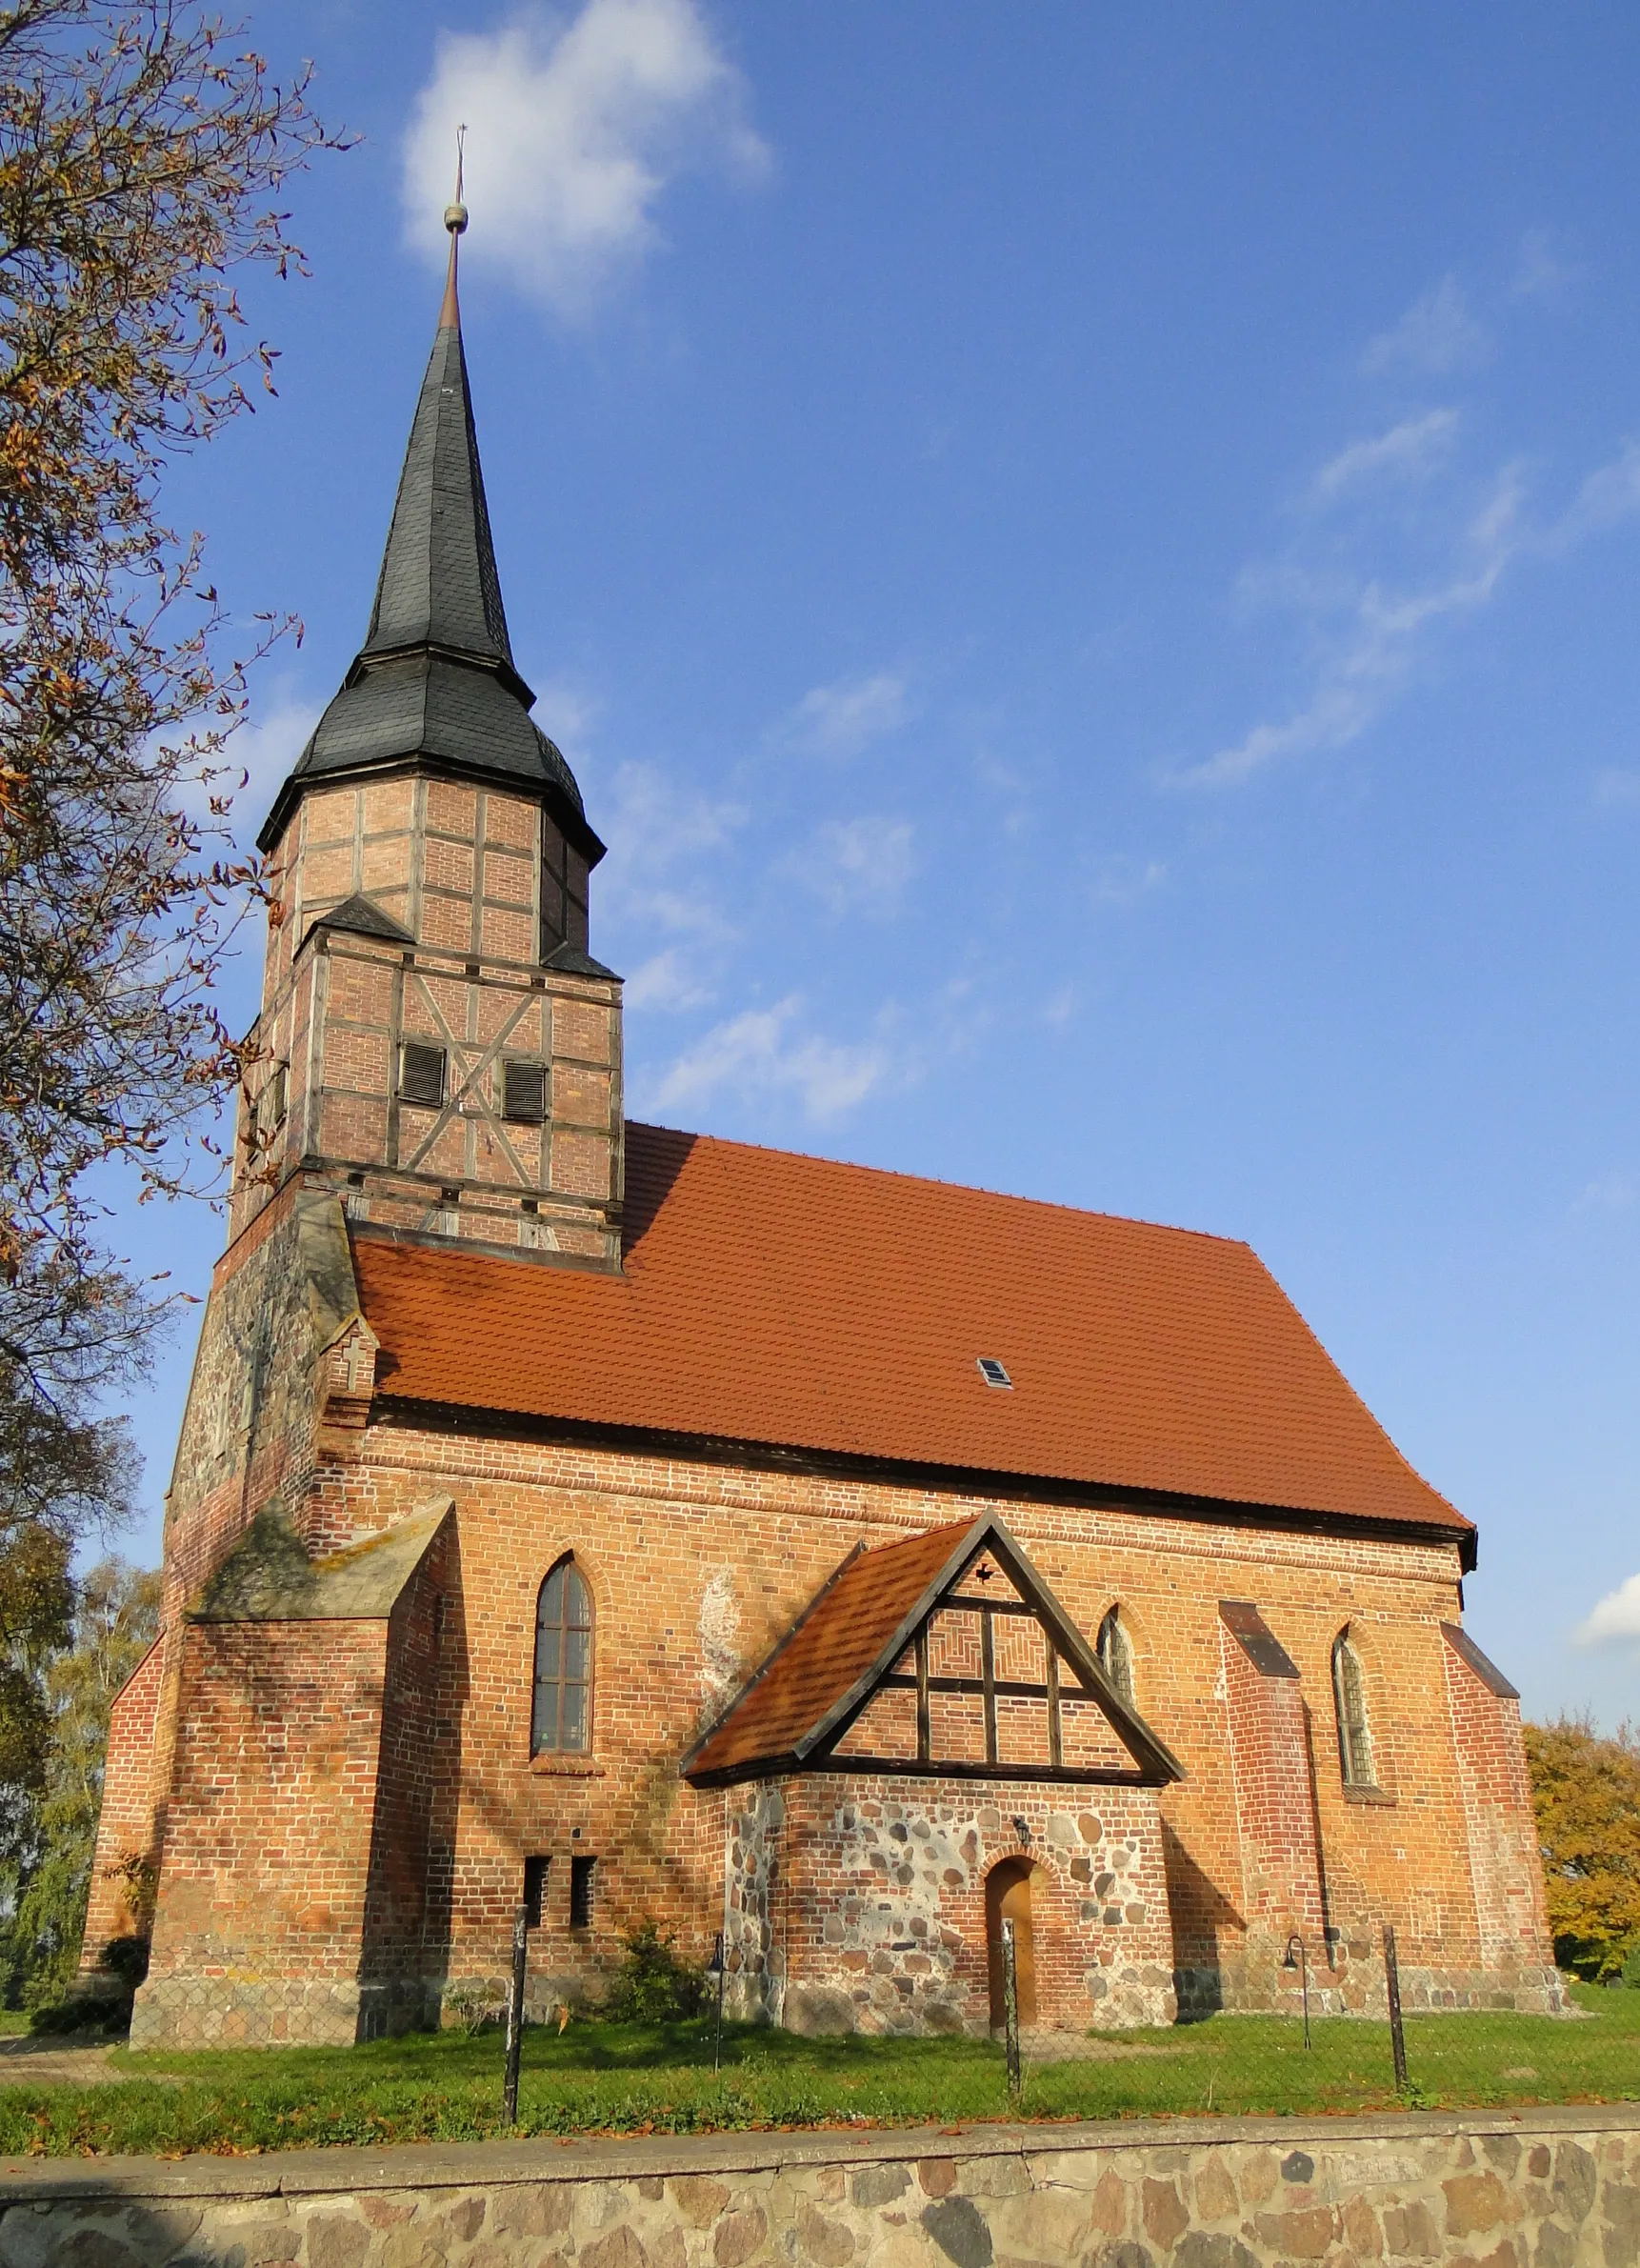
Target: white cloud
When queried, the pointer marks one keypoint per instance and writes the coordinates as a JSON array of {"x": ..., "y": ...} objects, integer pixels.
[
  {"x": 660, "y": 890},
  {"x": 1437, "y": 332},
  {"x": 859, "y": 865},
  {"x": 841, "y": 720},
  {"x": 1540, "y": 274},
  {"x": 761, "y": 1052},
  {"x": 1124, "y": 881},
  {"x": 654, "y": 825},
  {"x": 1617, "y": 1619},
  {"x": 1609, "y": 1193},
  {"x": 1405, "y": 452},
  {"x": 1615, "y": 786},
  {"x": 566, "y": 712},
  {"x": 1611, "y": 493},
  {"x": 574, "y": 129},
  {"x": 1367, "y": 659},
  {"x": 666, "y": 980}
]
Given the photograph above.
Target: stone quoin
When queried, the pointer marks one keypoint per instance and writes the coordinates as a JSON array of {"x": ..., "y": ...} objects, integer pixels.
[{"x": 630, "y": 1523}]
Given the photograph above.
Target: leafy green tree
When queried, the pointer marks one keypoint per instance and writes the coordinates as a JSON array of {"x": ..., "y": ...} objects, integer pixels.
[
  {"x": 1585, "y": 1791},
  {"x": 116, "y": 1619},
  {"x": 37, "y": 1600}
]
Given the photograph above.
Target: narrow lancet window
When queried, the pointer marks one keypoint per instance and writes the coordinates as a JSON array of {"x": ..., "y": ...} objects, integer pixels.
[
  {"x": 563, "y": 1663},
  {"x": 1115, "y": 1650},
  {"x": 1349, "y": 1693}
]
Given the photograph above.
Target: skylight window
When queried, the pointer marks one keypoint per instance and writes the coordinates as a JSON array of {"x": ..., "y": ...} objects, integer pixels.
[{"x": 992, "y": 1372}]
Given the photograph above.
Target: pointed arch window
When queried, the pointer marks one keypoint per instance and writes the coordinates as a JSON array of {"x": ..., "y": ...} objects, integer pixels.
[
  {"x": 563, "y": 1719},
  {"x": 1350, "y": 1696},
  {"x": 1115, "y": 1651}
]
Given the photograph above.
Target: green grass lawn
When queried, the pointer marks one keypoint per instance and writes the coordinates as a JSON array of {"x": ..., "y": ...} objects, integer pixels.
[{"x": 637, "y": 2078}]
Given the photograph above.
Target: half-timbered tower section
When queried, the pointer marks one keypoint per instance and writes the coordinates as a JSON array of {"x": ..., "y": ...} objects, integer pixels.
[{"x": 626, "y": 1523}]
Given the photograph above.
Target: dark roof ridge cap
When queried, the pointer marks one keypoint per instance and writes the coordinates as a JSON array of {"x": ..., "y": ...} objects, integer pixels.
[
  {"x": 1002, "y": 1196},
  {"x": 465, "y": 657},
  {"x": 1482, "y": 1663},
  {"x": 571, "y": 960},
  {"x": 361, "y": 916}
]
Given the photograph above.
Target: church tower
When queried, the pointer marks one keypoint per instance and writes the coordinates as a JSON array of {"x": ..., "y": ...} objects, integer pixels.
[{"x": 435, "y": 1043}]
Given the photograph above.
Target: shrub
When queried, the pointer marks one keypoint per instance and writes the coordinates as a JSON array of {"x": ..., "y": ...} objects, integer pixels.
[
  {"x": 653, "y": 1985},
  {"x": 469, "y": 2006}
]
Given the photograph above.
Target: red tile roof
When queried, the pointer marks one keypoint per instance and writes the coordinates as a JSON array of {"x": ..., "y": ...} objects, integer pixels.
[
  {"x": 775, "y": 1299},
  {"x": 848, "y": 1627}
]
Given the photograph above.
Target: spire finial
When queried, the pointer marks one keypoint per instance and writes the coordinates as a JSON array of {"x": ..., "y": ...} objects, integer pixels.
[{"x": 456, "y": 221}]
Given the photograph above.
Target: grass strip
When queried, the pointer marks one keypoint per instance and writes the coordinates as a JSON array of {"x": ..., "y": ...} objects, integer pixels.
[{"x": 604, "y": 2078}]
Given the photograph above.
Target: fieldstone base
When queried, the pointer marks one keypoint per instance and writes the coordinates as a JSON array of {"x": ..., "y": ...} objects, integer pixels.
[
  {"x": 1527, "y": 2189},
  {"x": 1356, "y": 1987},
  {"x": 858, "y": 1903},
  {"x": 211, "y": 2012}
]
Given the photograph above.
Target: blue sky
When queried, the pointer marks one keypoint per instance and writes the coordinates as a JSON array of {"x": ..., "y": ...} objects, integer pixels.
[{"x": 1086, "y": 561}]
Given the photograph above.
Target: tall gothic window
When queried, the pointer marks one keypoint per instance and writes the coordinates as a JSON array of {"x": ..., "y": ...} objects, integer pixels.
[
  {"x": 1115, "y": 1651},
  {"x": 562, "y": 1718},
  {"x": 1350, "y": 1694}
]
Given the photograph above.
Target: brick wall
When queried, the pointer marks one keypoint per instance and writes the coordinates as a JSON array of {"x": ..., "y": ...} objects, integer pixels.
[
  {"x": 418, "y": 1793},
  {"x": 696, "y": 1568},
  {"x": 739, "y": 1552},
  {"x": 1273, "y": 1778},
  {"x": 259, "y": 1929},
  {"x": 1499, "y": 1824},
  {"x": 119, "y": 1902}
]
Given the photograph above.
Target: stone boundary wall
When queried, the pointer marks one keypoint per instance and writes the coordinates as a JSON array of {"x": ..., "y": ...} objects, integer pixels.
[{"x": 1533, "y": 2189}]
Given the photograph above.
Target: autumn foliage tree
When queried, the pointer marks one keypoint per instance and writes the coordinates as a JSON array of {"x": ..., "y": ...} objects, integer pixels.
[
  {"x": 1586, "y": 1794},
  {"x": 142, "y": 152},
  {"x": 143, "y": 149}
]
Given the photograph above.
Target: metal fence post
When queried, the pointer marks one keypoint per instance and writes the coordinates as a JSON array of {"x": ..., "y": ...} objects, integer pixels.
[
  {"x": 1298, "y": 1956},
  {"x": 1011, "y": 2013},
  {"x": 1392, "y": 1978},
  {"x": 719, "y": 1963},
  {"x": 515, "y": 2014}
]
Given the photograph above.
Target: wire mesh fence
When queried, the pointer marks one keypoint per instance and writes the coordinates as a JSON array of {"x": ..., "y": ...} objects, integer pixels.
[
  {"x": 1309, "y": 2057},
  {"x": 701, "y": 2073}
]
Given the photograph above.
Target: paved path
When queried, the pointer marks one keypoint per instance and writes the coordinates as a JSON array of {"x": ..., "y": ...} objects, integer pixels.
[
  {"x": 1075, "y": 2047},
  {"x": 57, "y": 2059}
]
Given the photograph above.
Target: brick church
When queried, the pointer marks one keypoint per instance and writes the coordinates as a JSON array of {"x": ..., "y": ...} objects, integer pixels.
[{"x": 625, "y": 1522}]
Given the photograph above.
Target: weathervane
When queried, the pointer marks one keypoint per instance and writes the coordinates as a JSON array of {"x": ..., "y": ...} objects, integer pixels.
[
  {"x": 455, "y": 215},
  {"x": 456, "y": 221}
]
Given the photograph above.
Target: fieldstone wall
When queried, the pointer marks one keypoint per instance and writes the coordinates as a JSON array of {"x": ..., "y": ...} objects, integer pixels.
[
  {"x": 1543, "y": 2189},
  {"x": 857, "y": 1902}
]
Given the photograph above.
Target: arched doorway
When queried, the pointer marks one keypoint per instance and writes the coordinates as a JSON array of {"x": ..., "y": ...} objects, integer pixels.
[{"x": 1008, "y": 1898}]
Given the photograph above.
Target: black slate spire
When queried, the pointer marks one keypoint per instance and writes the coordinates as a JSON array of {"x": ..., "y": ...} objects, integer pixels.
[
  {"x": 438, "y": 583},
  {"x": 434, "y": 686}
]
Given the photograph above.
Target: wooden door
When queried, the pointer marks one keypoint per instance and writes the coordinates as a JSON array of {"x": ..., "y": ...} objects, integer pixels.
[{"x": 1008, "y": 1898}]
